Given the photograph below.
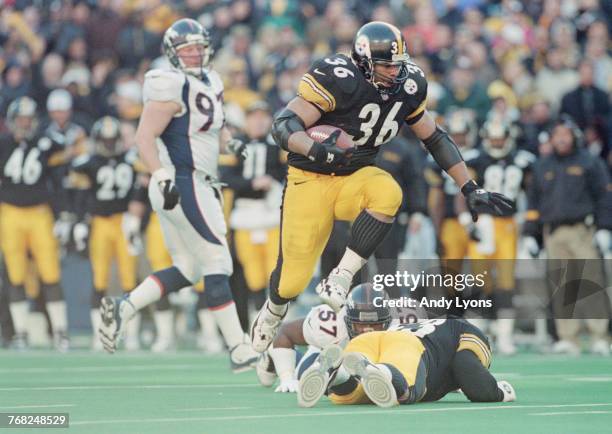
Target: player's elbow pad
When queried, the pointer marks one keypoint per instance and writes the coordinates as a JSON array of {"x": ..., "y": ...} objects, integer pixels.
[
  {"x": 443, "y": 149},
  {"x": 285, "y": 124}
]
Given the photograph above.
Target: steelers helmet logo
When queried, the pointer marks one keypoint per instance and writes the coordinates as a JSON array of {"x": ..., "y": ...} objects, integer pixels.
[
  {"x": 362, "y": 46},
  {"x": 410, "y": 86}
]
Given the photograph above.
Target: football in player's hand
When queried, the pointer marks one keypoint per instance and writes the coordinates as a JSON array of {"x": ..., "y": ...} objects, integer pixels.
[{"x": 319, "y": 133}]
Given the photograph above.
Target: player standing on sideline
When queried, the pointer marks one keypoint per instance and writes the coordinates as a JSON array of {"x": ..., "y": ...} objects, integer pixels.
[
  {"x": 180, "y": 135},
  {"x": 368, "y": 95}
]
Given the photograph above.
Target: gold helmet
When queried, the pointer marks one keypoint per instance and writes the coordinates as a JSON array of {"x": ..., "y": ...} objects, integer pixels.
[
  {"x": 497, "y": 137},
  {"x": 21, "y": 117},
  {"x": 106, "y": 135},
  {"x": 461, "y": 126}
]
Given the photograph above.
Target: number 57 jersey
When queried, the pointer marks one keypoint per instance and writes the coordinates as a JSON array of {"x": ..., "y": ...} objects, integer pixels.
[
  {"x": 347, "y": 100},
  {"x": 190, "y": 142}
]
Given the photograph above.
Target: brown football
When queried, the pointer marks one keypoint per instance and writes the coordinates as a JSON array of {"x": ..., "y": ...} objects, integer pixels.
[{"x": 319, "y": 133}]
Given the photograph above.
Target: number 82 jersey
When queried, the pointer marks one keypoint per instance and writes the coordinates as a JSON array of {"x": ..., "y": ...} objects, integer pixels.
[{"x": 347, "y": 100}]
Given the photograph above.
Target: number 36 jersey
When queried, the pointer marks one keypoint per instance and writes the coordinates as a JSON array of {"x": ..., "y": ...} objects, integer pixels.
[
  {"x": 347, "y": 100},
  {"x": 191, "y": 139}
]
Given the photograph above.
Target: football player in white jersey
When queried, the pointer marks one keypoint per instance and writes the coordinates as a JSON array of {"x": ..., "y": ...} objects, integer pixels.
[
  {"x": 180, "y": 136},
  {"x": 323, "y": 327}
]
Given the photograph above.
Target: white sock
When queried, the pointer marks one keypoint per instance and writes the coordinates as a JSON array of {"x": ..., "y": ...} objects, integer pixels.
[
  {"x": 284, "y": 362},
  {"x": 94, "y": 314},
  {"x": 351, "y": 262},
  {"x": 341, "y": 377},
  {"x": 226, "y": 317},
  {"x": 57, "y": 315},
  {"x": 164, "y": 322},
  {"x": 20, "y": 310},
  {"x": 208, "y": 325},
  {"x": 277, "y": 309},
  {"x": 132, "y": 328},
  {"x": 146, "y": 293}
]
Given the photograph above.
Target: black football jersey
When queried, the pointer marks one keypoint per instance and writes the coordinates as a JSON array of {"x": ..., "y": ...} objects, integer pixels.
[
  {"x": 26, "y": 168},
  {"x": 263, "y": 158},
  {"x": 441, "y": 339},
  {"x": 112, "y": 181},
  {"x": 505, "y": 175},
  {"x": 340, "y": 91},
  {"x": 436, "y": 177}
]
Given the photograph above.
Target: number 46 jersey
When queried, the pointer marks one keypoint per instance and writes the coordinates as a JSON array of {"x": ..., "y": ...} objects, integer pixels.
[{"x": 347, "y": 100}]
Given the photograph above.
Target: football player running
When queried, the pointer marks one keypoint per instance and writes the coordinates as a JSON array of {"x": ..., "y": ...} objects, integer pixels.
[
  {"x": 180, "y": 136},
  {"x": 405, "y": 364},
  {"x": 368, "y": 95},
  {"x": 321, "y": 328}
]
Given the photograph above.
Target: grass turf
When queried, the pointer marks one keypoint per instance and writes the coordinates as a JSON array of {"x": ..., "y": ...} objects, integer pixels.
[{"x": 189, "y": 393}]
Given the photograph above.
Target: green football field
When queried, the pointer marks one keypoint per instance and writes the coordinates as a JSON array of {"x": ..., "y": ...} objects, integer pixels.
[{"x": 189, "y": 393}]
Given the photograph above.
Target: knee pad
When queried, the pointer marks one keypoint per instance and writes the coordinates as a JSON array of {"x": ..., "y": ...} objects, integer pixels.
[
  {"x": 53, "y": 292},
  {"x": 171, "y": 279},
  {"x": 217, "y": 290}
]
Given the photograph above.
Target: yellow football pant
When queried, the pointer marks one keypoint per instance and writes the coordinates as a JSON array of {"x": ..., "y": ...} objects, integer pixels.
[
  {"x": 29, "y": 229},
  {"x": 106, "y": 243},
  {"x": 258, "y": 259},
  {"x": 398, "y": 348},
  {"x": 454, "y": 238},
  {"x": 311, "y": 203},
  {"x": 502, "y": 260}
]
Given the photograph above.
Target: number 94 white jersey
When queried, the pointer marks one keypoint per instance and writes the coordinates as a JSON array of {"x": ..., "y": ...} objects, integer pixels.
[{"x": 191, "y": 140}]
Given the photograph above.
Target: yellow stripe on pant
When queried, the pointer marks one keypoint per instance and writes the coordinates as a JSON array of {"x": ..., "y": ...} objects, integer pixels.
[
  {"x": 106, "y": 243},
  {"x": 398, "y": 348},
  {"x": 29, "y": 229},
  {"x": 311, "y": 203}
]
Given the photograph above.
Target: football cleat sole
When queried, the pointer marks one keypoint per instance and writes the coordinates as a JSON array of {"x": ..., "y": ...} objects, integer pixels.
[
  {"x": 376, "y": 382},
  {"x": 315, "y": 380}
]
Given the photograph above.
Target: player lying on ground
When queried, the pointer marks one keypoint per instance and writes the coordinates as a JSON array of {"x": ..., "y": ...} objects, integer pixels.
[
  {"x": 321, "y": 328},
  {"x": 406, "y": 364},
  {"x": 368, "y": 95}
]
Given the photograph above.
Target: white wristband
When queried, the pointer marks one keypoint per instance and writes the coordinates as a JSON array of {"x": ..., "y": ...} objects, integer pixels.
[{"x": 161, "y": 175}]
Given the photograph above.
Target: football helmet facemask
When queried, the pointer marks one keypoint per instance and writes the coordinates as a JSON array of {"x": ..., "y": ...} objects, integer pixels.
[
  {"x": 21, "y": 117},
  {"x": 106, "y": 134},
  {"x": 497, "y": 138},
  {"x": 364, "y": 313},
  {"x": 379, "y": 43},
  {"x": 181, "y": 34}
]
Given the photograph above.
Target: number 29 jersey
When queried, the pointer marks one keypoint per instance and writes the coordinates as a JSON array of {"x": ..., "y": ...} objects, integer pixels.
[
  {"x": 347, "y": 100},
  {"x": 190, "y": 142}
]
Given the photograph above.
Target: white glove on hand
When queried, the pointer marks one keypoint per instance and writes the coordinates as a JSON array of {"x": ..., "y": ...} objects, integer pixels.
[
  {"x": 288, "y": 386},
  {"x": 80, "y": 235},
  {"x": 531, "y": 246},
  {"x": 63, "y": 227},
  {"x": 508, "y": 391},
  {"x": 602, "y": 240},
  {"x": 130, "y": 225},
  {"x": 238, "y": 148}
]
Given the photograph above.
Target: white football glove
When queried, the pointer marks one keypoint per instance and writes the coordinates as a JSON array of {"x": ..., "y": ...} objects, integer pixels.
[
  {"x": 530, "y": 244},
  {"x": 508, "y": 391},
  {"x": 130, "y": 225},
  {"x": 603, "y": 242},
  {"x": 80, "y": 235},
  {"x": 238, "y": 148},
  {"x": 288, "y": 386},
  {"x": 63, "y": 227}
]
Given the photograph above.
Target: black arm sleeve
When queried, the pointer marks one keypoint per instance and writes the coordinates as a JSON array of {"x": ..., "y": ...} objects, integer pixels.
[
  {"x": 443, "y": 149},
  {"x": 476, "y": 382},
  {"x": 285, "y": 124},
  {"x": 415, "y": 194}
]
